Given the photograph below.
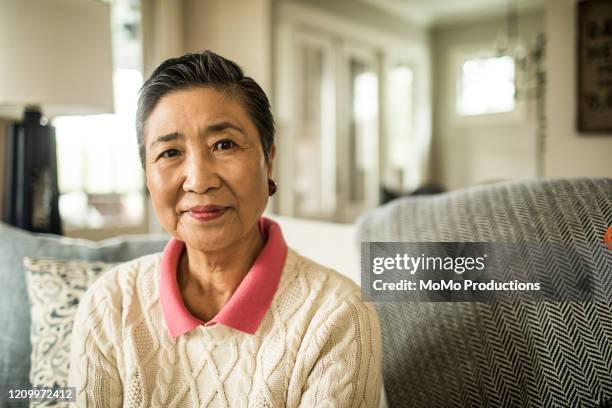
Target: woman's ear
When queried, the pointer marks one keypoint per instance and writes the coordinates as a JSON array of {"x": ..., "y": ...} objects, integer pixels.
[{"x": 271, "y": 156}]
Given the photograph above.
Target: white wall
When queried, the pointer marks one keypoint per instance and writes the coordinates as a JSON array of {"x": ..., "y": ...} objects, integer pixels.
[
  {"x": 3, "y": 127},
  {"x": 478, "y": 150},
  {"x": 568, "y": 153},
  {"x": 239, "y": 30}
]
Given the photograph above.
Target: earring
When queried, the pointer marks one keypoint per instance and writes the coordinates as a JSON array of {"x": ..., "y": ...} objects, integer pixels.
[{"x": 271, "y": 187}]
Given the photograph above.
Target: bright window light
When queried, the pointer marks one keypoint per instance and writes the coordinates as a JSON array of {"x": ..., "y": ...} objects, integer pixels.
[
  {"x": 99, "y": 173},
  {"x": 486, "y": 86},
  {"x": 401, "y": 80},
  {"x": 100, "y": 176}
]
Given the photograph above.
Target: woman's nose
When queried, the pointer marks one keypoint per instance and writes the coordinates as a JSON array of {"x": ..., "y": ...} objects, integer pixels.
[{"x": 200, "y": 174}]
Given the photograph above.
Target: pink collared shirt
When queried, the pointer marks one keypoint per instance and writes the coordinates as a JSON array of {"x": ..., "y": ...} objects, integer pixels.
[{"x": 247, "y": 306}]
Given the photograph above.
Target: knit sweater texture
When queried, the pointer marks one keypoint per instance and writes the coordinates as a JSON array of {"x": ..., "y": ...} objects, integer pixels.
[{"x": 318, "y": 345}]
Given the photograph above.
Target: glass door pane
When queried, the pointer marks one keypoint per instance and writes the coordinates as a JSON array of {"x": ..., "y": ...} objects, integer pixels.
[
  {"x": 400, "y": 122},
  {"x": 314, "y": 165},
  {"x": 362, "y": 144}
]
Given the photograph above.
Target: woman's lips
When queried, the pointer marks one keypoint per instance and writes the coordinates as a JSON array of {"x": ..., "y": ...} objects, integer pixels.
[{"x": 207, "y": 213}]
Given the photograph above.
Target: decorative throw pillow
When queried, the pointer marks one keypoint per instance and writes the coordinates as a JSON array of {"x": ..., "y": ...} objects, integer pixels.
[{"x": 55, "y": 289}]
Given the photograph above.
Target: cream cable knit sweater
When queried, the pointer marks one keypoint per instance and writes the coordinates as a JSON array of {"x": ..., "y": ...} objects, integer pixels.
[{"x": 318, "y": 346}]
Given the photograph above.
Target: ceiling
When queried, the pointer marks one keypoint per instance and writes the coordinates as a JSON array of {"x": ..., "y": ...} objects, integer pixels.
[{"x": 439, "y": 12}]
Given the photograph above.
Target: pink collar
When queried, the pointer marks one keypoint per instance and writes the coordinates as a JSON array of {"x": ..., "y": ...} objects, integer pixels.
[{"x": 246, "y": 308}]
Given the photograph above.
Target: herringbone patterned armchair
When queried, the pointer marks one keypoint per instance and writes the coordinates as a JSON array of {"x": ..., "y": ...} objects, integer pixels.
[{"x": 518, "y": 354}]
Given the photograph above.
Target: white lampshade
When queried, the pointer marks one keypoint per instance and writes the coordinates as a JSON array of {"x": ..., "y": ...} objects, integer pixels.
[{"x": 55, "y": 54}]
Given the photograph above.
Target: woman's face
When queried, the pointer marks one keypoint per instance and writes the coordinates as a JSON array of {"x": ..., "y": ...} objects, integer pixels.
[{"x": 202, "y": 149}]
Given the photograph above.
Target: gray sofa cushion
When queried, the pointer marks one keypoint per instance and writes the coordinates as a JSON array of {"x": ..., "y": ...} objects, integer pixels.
[
  {"x": 15, "y": 244},
  {"x": 501, "y": 354}
]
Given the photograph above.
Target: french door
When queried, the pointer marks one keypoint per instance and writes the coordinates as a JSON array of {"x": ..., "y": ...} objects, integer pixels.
[{"x": 329, "y": 141}]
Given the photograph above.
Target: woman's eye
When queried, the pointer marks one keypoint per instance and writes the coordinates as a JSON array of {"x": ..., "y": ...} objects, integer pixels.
[
  {"x": 224, "y": 144},
  {"x": 169, "y": 154}
]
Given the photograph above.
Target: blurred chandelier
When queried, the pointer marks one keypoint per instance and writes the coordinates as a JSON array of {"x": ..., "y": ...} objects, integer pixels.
[
  {"x": 530, "y": 74},
  {"x": 528, "y": 58}
]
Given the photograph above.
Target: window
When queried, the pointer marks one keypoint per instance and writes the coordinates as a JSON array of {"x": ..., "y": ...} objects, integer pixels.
[
  {"x": 486, "y": 85},
  {"x": 333, "y": 171},
  {"x": 313, "y": 190},
  {"x": 353, "y": 113},
  {"x": 399, "y": 172},
  {"x": 100, "y": 177},
  {"x": 363, "y": 133}
]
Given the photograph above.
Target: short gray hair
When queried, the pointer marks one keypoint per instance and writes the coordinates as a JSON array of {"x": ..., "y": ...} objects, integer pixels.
[{"x": 205, "y": 69}]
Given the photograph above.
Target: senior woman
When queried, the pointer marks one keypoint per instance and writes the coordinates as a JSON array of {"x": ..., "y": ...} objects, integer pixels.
[{"x": 227, "y": 314}]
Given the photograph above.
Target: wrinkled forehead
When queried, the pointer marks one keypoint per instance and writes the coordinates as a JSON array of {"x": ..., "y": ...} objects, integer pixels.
[{"x": 189, "y": 111}]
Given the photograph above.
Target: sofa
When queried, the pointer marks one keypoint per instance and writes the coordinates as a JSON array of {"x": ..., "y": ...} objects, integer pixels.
[
  {"x": 15, "y": 321},
  {"x": 434, "y": 354},
  {"x": 504, "y": 354},
  {"x": 328, "y": 243}
]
